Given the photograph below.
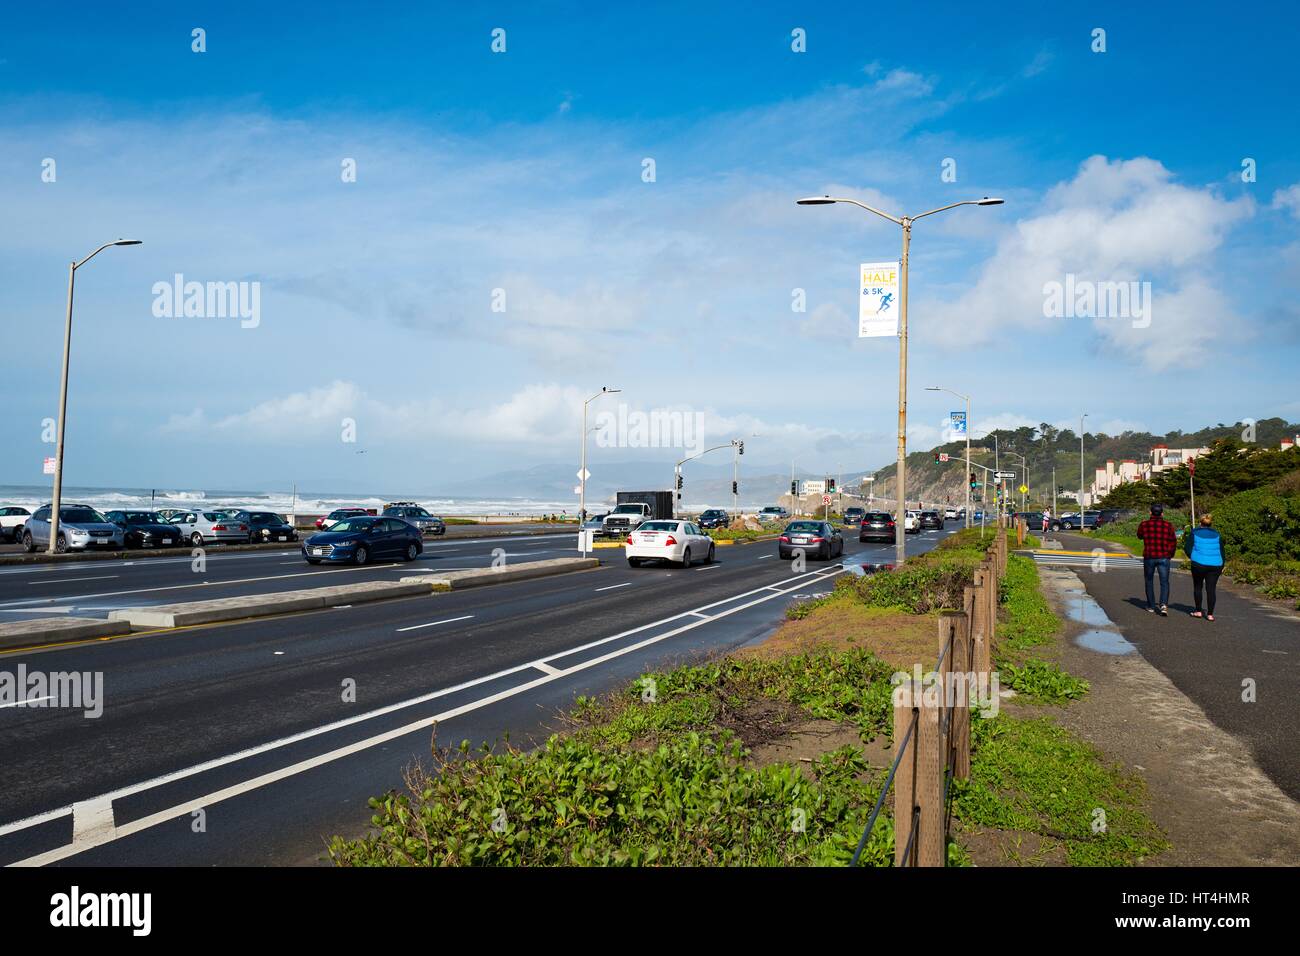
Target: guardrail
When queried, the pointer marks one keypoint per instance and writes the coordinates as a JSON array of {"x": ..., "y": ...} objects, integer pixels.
[{"x": 934, "y": 749}]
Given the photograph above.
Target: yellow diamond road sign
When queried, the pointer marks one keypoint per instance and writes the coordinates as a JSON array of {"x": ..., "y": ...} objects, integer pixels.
[{"x": 1024, "y": 489}]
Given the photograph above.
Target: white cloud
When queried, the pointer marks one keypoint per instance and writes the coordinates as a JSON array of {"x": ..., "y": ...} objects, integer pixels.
[{"x": 1288, "y": 199}]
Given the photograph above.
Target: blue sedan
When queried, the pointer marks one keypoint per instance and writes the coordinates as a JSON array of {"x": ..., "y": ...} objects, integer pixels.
[{"x": 359, "y": 540}]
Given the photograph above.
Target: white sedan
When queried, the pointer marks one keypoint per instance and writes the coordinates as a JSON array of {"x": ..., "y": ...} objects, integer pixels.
[
  {"x": 679, "y": 542},
  {"x": 912, "y": 523}
]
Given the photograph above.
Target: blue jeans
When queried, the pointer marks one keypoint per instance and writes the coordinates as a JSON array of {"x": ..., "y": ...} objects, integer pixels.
[{"x": 1149, "y": 567}]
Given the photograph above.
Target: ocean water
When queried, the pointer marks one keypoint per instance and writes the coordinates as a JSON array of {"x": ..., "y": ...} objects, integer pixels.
[{"x": 33, "y": 496}]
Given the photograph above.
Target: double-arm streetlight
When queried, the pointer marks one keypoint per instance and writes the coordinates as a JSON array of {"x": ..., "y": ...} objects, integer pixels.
[
  {"x": 63, "y": 390},
  {"x": 677, "y": 468},
  {"x": 582, "y": 473},
  {"x": 966, "y": 399},
  {"x": 906, "y": 223}
]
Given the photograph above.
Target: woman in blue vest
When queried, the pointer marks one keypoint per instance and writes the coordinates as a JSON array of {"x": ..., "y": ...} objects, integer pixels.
[{"x": 1204, "y": 548}]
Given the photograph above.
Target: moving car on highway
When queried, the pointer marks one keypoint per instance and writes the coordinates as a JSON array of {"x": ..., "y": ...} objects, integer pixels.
[
  {"x": 714, "y": 518},
  {"x": 413, "y": 514},
  {"x": 12, "y": 519},
  {"x": 912, "y": 523},
  {"x": 931, "y": 519},
  {"x": 854, "y": 516},
  {"x": 266, "y": 526},
  {"x": 877, "y": 526},
  {"x": 210, "y": 527},
  {"x": 145, "y": 529},
  {"x": 950, "y": 514},
  {"x": 81, "y": 528},
  {"x": 325, "y": 522},
  {"x": 818, "y": 539},
  {"x": 360, "y": 540},
  {"x": 677, "y": 542}
]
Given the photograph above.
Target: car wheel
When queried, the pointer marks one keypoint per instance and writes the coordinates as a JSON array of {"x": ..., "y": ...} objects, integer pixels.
[
  {"x": 196, "y": 540},
  {"x": 61, "y": 544},
  {"x": 634, "y": 562},
  {"x": 709, "y": 559},
  {"x": 28, "y": 544},
  {"x": 686, "y": 558},
  {"x": 362, "y": 555},
  {"x": 412, "y": 551}
]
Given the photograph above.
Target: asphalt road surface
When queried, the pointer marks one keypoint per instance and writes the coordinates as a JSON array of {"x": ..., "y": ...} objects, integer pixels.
[{"x": 233, "y": 744}]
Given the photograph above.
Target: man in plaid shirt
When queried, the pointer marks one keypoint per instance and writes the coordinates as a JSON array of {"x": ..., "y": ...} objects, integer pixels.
[{"x": 1158, "y": 545}]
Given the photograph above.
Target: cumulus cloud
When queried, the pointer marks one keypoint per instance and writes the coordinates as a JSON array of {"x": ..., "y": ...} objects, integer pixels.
[{"x": 1116, "y": 221}]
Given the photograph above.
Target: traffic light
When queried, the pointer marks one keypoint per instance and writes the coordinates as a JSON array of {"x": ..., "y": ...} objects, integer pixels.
[
  {"x": 973, "y": 482},
  {"x": 794, "y": 488},
  {"x": 742, "y": 448},
  {"x": 735, "y": 488},
  {"x": 830, "y": 486},
  {"x": 679, "y": 481}
]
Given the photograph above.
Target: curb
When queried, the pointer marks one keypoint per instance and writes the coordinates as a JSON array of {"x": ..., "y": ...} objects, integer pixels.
[
  {"x": 478, "y": 577},
  {"x": 55, "y": 630}
]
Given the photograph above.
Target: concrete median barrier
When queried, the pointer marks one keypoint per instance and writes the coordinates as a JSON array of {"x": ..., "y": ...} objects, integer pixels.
[
  {"x": 56, "y": 630},
  {"x": 262, "y": 605},
  {"x": 478, "y": 577}
]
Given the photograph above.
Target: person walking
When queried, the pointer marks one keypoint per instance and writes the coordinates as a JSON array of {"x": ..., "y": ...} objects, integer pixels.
[
  {"x": 1158, "y": 545},
  {"x": 1047, "y": 520},
  {"x": 1204, "y": 549}
]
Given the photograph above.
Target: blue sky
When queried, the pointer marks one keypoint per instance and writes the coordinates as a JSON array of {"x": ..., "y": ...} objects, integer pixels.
[{"x": 522, "y": 171}]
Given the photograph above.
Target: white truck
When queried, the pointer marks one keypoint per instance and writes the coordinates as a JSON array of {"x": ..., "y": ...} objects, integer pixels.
[{"x": 626, "y": 517}]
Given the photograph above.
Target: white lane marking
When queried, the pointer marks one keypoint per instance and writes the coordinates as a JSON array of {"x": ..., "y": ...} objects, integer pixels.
[
  {"x": 198, "y": 584},
  {"x": 93, "y": 820},
  {"x": 708, "y": 567},
  {"x": 102, "y": 577},
  {"x": 762, "y": 556},
  {"x": 613, "y": 586},
  {"x": 548, "y": 669},
  {"x": 163, "y": 816},
  {"x": 26, "y": 701},
  {"x": 450, "y": 620},
  {"x": 707, "y": 617}
]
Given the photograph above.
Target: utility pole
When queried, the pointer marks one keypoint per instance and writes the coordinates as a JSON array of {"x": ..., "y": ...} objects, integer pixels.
[{"x": 1081, "y": 518}]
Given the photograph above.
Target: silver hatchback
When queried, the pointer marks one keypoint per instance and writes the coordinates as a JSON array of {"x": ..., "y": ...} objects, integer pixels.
[
  {"x": 81, "y": 528},
  {"x": 207, "y": 527}
]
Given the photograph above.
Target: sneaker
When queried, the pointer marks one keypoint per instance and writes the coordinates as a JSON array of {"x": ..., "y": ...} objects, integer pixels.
[
  {"x": 1151, "y": 610},
  {"x": 1209, "y": 617},
  {"x": 1164, "y": 610},
  {"x": 1196, "y": 614}
]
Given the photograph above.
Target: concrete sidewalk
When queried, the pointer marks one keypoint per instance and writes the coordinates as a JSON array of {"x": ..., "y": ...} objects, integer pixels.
[{"x": 1251, "y": 646}]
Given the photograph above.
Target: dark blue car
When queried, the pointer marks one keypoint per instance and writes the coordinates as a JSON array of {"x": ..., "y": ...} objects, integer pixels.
[{"x": 359, "y": 540}]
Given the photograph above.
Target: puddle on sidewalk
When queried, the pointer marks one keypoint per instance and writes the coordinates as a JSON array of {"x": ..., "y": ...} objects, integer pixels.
[{"x": 1080, "y": 606}]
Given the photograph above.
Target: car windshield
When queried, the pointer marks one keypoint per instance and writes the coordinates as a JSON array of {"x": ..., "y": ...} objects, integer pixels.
[
  {"x": 352, "y": 524},
  {"x": 144, "y": 517},
  {"x": 879, "y": 516},
  {"x": 81, "y": 516},
  {"x": 803, "y": 527},
  {"x": 216, "y": 515},
  {"x": 659, "y": 526},
  {"x": 773, "y": 511},
  {"x": 627, "y": 509}
]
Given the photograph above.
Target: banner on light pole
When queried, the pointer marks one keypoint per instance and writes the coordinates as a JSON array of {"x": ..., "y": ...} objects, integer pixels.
[
  {"x": 958, "y": 422},
  {"x": 878, "y": 304}
]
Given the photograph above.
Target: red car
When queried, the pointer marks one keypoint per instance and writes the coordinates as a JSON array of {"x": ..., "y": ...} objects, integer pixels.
[{"x": 338, "y": 514}]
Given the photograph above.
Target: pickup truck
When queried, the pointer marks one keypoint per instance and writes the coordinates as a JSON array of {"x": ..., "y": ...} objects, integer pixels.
[{"x": 625, "y": 517}]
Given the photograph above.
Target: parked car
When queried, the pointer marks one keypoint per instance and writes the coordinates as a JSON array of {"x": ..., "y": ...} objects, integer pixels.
[
  {"x": 81, "y": 528},
  {"x": 413, "y": 514},
  {"x": 819, "y": 537},
  {"x": 1069, "y": 522},
  {"x": 714, "y": 518},
  {"x": 358, "y": 540},
  {"x": 210, "y": 527},
  {"x": 595, "y": 522},
  {"x": 772, "y": 513},
  {"x": 338, "y": 514},
  {"x": 854, "y": 516},
  {"x": 266, "y": 526},
  {"x": 12, "y": 519},
  {"x": 931, "y": 519},
  {"x": 877, "y": 526},
  {"x": 1112, "y": 515},
  {"x": 677, "y": 542},
  {"x": 145, "y": 529}
]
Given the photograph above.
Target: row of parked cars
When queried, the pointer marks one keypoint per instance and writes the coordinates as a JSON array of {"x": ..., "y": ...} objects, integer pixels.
[{"x": 82, "y": 527}]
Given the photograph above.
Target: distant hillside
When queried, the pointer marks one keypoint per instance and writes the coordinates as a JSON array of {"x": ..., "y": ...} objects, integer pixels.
[{"x": 1045, "y": 446}]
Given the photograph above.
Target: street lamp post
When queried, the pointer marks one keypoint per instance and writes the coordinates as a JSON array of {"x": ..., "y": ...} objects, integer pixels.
[
  {"x": 1081, "y": 517},
  {"x": 582, "y": 472},
  {"x": 966, "y": 399},
  {"x": 63, "y": 390},
  {"x": 677, "y": 468},
  {"x": 905, "y": 222},
  {"x": 1024, "y": 464}
]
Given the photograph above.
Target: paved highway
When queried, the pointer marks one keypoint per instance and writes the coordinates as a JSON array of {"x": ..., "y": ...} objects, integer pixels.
[{"x": 233, "y": 744}]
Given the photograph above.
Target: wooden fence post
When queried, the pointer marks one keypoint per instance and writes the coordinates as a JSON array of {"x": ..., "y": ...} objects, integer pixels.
[
  {"x": 991, "y": 581},
  {"x": 958, "y": 678},
  {"x": 979, "y": 619},
  {"x": 918, "y": 786}
]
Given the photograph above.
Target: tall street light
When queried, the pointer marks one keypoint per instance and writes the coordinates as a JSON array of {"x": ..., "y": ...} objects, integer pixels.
[
  {"x": 1024, "y": 462},
  {"x": 582, "y": 472},
  {"x": 966, "y": 399},
  {"x": 63, "y": 390},
  {"x": 1081, "y": 517},
  {"x": 906, "y": 223}
]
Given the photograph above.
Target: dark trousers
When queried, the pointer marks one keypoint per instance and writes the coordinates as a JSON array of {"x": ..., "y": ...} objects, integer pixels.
[
  {"x": 1149, "y": 567},
  {"x": 1207, "y": 576}
]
